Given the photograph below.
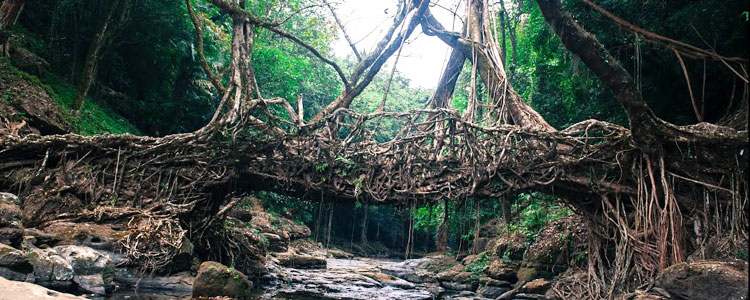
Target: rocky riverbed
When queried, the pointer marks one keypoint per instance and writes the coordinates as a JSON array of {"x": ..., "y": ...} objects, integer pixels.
[{"x": 84, "y": 259}]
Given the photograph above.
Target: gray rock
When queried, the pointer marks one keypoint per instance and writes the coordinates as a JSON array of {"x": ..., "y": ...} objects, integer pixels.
[
  {"x": 178, "y": 283},
  {"x": 411, "y": 270},
  {"x": 11, "y": 290},
  {"x": 9, "y": 199},
  {"x": 14, "y": 260},
  {"x": 491, "y": 291},
  {"x": 215, "y": 280},
  {"x": 93, "y": 271},
  {"x": 12, "y": 275},
  {"x": 457, "y": 286},
  {"x": 50, "y": 269}
]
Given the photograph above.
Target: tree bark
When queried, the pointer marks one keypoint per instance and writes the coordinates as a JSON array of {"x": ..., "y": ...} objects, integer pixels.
[
  {"x": 477, "y": 225},
  {"x": 330, "y": 221},
  {"x": 506, "y": 202},
  {"x": 363, "y": 234},
  {"x": 370, "y": 65},
  {"x": 427, "y": 231},
  {"x": 443, "y": 230},
  {"x": 513, "y": 109},
  {"x": 447, "y": 84},
  {"x": 89, "y": 71},
  {"x": 9, "y": 12}
]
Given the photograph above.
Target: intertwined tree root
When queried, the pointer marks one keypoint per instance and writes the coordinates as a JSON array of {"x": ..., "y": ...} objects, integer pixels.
[{"x": 644, "y": 206}]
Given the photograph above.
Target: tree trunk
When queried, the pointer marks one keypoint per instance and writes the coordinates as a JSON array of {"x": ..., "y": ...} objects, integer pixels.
[
  {"x": 443, "y": 230},
  {"x": 410, "y": 229},
  {"x": 9, "y": 12},
  {"x": 447, "y": 84},
  {"x": 363, "y": 234},
  {"x": 477, "y": 224},
  {"x": 317, "y": 220},
  {"x": 330, "y": 219},
  {"x": 89, "y": 71},
  {"x": 506, "y": 202},
  {"x": 427, "y": 232}
]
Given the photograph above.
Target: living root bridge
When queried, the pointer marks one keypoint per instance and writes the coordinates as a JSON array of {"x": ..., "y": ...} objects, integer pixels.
[
  {"x": 454, "y": 160},
  {"x": 653, "y": 194}
]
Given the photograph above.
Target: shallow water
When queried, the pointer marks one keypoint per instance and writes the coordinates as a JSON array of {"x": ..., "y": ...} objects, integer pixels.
[{"x": 346, "y": 279}]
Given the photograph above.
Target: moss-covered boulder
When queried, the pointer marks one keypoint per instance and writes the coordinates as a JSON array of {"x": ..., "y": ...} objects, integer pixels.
[{"x": 217, "y": 280}]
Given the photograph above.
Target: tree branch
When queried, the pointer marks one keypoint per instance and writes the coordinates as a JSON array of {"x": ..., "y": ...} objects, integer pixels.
[
  {"x": 369, "y": 66},
  {"x": 215, "y": 80},
  {"x": 646, "y": 127},
  {"x": 343, "y": 30},
  {"x": 241, "y": 13}
]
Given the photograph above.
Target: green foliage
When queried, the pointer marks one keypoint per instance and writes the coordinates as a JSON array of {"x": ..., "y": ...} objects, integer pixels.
[
  {"x": 478, "y": 264},
  {"x": 94, "y": 118},
  {"x": 539, "y": 210},
  {"x": 297, "y": 210}
]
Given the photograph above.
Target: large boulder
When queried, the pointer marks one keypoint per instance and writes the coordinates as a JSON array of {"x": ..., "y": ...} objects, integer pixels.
[
  {"x": 14, "y": 264},
  {"x": 457, "y": 278},
  {"x": 706, "y": 280},
  {"x": 181, "y": 283},
  {"x": 93, "y": 271},
  {"x": 501, "y": 270},
  {"x": 276, "y": 243},
  {"x": 303, "y": 254},
  {"x": 537, "y": 286},
  {"x": 50, "y": 269},
  {"x": 217, "y": 280},
  {"x": 14, "y": 290}
]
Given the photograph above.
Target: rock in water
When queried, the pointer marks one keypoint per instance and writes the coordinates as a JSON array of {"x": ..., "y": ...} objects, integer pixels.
[
  {"x": 93, "y": 271},
  {"x": 705, "y": 280},
  {"x": 216, "y": 280},
  {"x": 14, "y": 290}
]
